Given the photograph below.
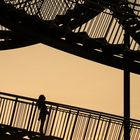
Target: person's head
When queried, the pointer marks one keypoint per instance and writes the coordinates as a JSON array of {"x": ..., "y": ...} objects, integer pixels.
[{"x": 42, "y": 97}]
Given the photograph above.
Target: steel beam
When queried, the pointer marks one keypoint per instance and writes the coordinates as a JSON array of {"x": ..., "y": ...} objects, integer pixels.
[{"x": 126, "y": 87}]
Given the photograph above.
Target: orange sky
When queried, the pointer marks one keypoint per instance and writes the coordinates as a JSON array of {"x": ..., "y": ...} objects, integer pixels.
[{"x": 65, "y": 78}]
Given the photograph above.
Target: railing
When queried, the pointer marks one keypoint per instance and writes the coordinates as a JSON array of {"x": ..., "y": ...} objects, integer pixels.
[{"x": 66, "y": 122}]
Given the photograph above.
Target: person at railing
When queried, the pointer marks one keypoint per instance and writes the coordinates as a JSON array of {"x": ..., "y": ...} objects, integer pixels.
[{"x": 43, "y": 111}]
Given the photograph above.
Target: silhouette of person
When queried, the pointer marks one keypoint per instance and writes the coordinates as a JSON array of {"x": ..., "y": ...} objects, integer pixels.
[{"x": 43, "y": 111}]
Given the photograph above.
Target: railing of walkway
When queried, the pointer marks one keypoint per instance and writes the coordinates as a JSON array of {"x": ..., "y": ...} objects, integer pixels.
[{"x": 66, "y": 122}]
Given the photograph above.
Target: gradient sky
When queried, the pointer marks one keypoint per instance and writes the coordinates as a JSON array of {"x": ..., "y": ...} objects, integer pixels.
[{"x": 65, "y": 78}]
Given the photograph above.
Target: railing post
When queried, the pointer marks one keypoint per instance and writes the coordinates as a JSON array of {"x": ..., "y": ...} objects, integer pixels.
[{"x": 14, "y": 109}]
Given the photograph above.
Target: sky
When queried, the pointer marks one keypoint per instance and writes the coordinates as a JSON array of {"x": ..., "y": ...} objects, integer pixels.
[{"x": 65, "y": 78}]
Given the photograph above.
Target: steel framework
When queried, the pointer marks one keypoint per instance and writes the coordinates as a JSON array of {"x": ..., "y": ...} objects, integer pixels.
[{"x": 107, "y": 32}]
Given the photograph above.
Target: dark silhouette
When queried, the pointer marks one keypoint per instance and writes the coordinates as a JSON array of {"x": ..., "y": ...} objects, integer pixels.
[{"x": 43, "y": 111}]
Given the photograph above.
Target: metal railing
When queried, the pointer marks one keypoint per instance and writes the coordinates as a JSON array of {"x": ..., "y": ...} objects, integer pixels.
[{"x": 66, "y": 122}]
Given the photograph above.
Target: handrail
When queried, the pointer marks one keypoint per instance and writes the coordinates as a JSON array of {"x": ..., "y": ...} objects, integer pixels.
[
  {"x": 68, "y": 106},
  {"x": 60, "y": 105}
]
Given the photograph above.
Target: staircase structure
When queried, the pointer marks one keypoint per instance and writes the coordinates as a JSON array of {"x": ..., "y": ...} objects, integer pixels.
[
  {"x": 103, "y": 31},
  {"x": 91, "y": 29}
]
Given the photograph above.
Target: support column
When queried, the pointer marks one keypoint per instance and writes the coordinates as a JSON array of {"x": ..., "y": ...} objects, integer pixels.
[
  {"x": 126, "y": 102},
  {"x": 126, "y": 87}
]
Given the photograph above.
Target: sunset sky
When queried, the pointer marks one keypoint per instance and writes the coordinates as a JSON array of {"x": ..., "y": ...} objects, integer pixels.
[{"x": 67, "y": 79}]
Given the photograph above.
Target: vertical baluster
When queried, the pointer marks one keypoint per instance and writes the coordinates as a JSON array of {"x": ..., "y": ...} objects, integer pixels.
[
  {"x": 25, "y": 115},
  {"x": 48, "y": 118},
  {"x": 53, "y": 121},
  {"x": 60, "y": 124},
  {"x": 64, "y": 120},
  {"x": 4, "y": 110},
  {"x": 29, "y": 121},
  {"x": 107, "y": 130},
  {"x": 13, "y": 112},
  {"x": 33, "y": 116},
  {"x": 7, "y": 112},
  {"x": 66, "y": 123},
  {"x": 57, "y": 122},
  {"x": 74, "y": 125},
  {"x": 97, "y": 127},
  {"x": 100, "y": 129},
  {"x": 10, "y": 113},
  {"x": 109, "y": 27},
  {"x": 87, "y": 125},
  {"x": 121, "y": 131}
]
